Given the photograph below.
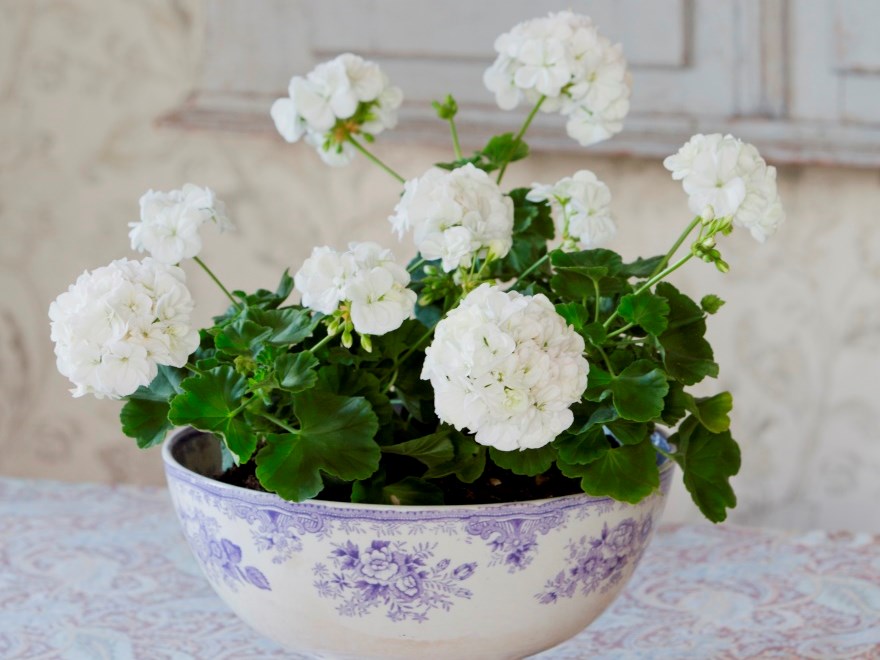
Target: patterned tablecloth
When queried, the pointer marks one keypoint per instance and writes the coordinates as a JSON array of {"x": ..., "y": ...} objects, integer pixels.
[{"x": 92, "y": 572}]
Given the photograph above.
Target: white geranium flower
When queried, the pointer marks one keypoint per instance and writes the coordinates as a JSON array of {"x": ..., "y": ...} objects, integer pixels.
[
  {"x": 345, "y": 96},
  {"x": 507, "y": 367},
  {"x": 727, "y": 178},
  {"x": 455, "y": 216},
  {"x": 321, "y": 280},
  {"x": 116, "y": 324},
  {"x": 366, "y": 277},
  {"x": 582, "y": 205},
  {"x": 290, "y": 124},
  {"x": 563, "y": 58},
  {"x": 379, "y": 304},
  {"x": 170, "y": 222}
]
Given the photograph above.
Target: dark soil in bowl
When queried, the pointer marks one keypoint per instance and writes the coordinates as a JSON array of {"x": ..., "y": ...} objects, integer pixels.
[{"x": 496, "y": 485}]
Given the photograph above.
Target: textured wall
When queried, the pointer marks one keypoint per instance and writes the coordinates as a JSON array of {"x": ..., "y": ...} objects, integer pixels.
[{"x": 81, "y": 85}]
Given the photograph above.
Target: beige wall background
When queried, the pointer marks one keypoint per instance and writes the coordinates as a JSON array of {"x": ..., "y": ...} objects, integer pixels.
[{"x": 81, "y": 87}]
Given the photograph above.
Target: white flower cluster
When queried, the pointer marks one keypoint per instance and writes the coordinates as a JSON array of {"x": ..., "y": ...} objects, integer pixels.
[
  {"x": 455, "y": 216},
  {"x": 583, "y": 204},
  {"x": 116, "y": 324},
  {"x": 563, "y": 58},
  {"x": 347, "y": 89},
  {"x": 170, "y": 222},
  {"x": 507, "y": 367},
  {"x": 366, "y": 278},
  {"x": 726, "y": 177}
]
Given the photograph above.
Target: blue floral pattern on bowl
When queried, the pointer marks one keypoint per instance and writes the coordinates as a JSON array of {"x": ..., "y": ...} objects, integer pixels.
[{"x": 384, "y": 574}]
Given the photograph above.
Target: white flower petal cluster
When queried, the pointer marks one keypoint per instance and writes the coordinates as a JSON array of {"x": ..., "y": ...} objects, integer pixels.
[
  {"x": 347, "y": 89},
  {"x": 726, "y": 177},
  {"x": 583, "y": 205},
  {"x": 507, "y": 367},
  {"x": 170, "y": 222},
  {"x": 116, "y": 324},
  {"x": 366, "y": 278},
  {"x": 455, "y": 216},
  {"x": 563, "y": 58}
]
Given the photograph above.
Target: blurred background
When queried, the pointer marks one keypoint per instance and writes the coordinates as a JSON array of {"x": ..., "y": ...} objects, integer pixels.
[{"x": 101, "y": 101}]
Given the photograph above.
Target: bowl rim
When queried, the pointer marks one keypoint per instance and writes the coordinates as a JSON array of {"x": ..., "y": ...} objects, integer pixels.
[{"x": 174, "y": 470}]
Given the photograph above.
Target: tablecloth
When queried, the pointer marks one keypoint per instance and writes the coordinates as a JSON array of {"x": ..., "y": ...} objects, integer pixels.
[{"x": 94, "y": 571}]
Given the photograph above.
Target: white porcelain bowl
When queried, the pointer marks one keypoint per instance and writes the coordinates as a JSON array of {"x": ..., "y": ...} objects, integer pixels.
[{"x": 340, "y": 580}]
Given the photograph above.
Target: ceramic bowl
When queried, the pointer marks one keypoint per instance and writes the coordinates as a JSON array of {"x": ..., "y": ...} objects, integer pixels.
[{"x": 340, "y": 580}]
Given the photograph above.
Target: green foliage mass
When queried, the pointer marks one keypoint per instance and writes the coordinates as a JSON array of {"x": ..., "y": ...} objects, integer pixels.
[{"x": 315, "y": 416}]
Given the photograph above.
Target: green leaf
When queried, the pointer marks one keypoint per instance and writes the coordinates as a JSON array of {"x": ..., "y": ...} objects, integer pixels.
[
  {"x": 211, "y": 402},
  {"x": 687, "y": 355},
  {"x": 594, "y": 333},
  {"x": 286, "y": 326},
  {"x": 360, "y": 382},
  {"x": 335, "y": 436},
  {"x": 575, "y": 314},
  {"x": 638, "y": 391},
  {"x": 627, "y": 473},
  {"x": 576, "y": 273},
  {"x": 412, "y": 491},
  {"x": 531, "y": 217},
  {"x": 503, "y": 149},
  {"x": 588, "y": 262},
  {"x": 628, "y": 433},
  {"x": 296, "y": 371},
  {"x": 676, "y": 403},
  {"x": 641, "y": 268},
  {"x": 145, "y": 421},
  {"x": 645, "y": 310},
  {"x": 241, "y": 337},
  {"x": 261, "y": 298},
  {"x": 144, "y": 416},
  {"x": 713, "y": 412},
  {"x": 599, "y": 417},
  {"x": 598, "y": 384},
  {"x": 526, "y": 462},
  {"x": 708, "y": 460},
  {"x": 581, "y": 449},
  {"x": 711, "y": 303},
  {"x": 467, "y": 465},
  {"x": 432, "y": 450}
]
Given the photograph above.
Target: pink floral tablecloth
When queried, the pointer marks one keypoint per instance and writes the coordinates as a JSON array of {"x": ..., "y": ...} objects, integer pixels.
[{"x": 91, "y": 571}]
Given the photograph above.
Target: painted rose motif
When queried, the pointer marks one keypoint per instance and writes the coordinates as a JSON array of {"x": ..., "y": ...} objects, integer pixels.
[
  {"x": 597, "y": 563},
  {"x": 389, "y": 576},
  {"x": 379, "y": 565}
]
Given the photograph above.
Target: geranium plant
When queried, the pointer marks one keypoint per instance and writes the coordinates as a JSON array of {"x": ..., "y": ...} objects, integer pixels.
[{"x": 512, "y": 354}]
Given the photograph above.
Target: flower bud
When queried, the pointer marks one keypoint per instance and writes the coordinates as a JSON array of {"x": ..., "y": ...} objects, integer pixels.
[
  {"x": 707, "y": 215},
  {"x": 367, "y": 343}
]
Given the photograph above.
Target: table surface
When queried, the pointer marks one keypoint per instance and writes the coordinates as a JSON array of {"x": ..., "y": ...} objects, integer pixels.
[{"x": 90, "y": 571}]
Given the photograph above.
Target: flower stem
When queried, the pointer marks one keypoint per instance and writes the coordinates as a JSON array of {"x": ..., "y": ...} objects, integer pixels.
[
  {"x": 217, "y": 281},
  {"x": 598, "y": 299},
  {"x": 651, "y": 282},
  {"x": 659, "y": 276},
  {"x": 619, "y": 331},
  {"x": 416, "y": 266},
  {"x": 606, "y": 360},
  {"x": 415, "y": 346},
  {"x": 321, "y": 343},
  {"x": 456, "y": 146},
  {"x": 676, "y": 245},
  {"x": 530, "y": 269},
  {"x": 366, "y": 152},
  {"x": 278, "y": 422},
  {"x": 519, "y": 136}
]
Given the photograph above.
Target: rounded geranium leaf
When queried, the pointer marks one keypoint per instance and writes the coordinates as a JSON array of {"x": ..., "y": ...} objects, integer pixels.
[{"x": 335, "y": 437}]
